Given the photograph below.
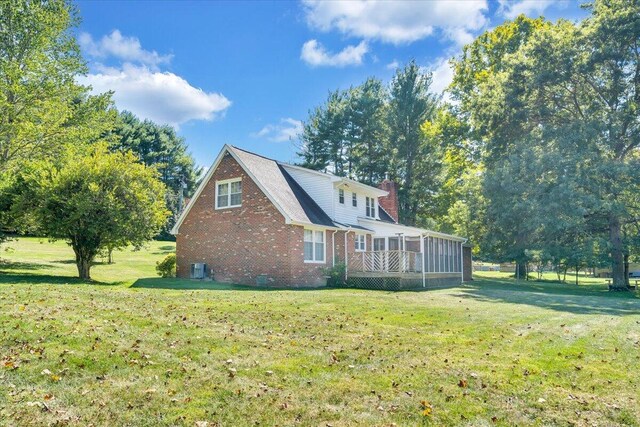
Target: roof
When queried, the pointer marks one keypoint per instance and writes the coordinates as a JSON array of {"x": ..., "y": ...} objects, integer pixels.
[
  {"x": 275, "y": 182},
  {"x": 314, "y": 213},
  {"x": 293, "y": 202},
  {"x": 384, "y": 216}
]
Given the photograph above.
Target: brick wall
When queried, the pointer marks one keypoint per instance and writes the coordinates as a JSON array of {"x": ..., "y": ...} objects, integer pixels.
[
  {"x": 390, "y": 202},
  {"x": 239, "y": 244}
]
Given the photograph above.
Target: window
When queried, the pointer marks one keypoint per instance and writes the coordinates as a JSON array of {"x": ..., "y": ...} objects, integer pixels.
[
  {"x": 354, "y": 200},
  {"x": 229, "y": 193},
  {"x": 313, "y": 246},
  {"x": 370, "y": 210},
  {"x": 361, "y": 242},
  {"x": 341, "y": 196}
]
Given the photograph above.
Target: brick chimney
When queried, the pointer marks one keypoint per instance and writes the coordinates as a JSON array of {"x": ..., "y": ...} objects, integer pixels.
[{"x": 389, "y": 202}]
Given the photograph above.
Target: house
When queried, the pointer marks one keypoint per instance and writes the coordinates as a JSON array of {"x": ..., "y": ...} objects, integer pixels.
[{"x": 255, "y": 220}]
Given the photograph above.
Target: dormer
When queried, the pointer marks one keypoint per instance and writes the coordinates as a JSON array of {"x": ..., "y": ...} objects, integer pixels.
[{"x": 353, "y": 200}]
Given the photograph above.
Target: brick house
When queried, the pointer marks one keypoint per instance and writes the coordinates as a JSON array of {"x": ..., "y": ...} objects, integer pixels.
[{"x": 255, "y": 220}]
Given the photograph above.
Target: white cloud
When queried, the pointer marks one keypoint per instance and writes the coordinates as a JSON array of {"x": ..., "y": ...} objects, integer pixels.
[
  {"x": 533, "y": 8},
  {"x": 399, "y": 21},
  {"x": 140, "y": 86},
  {"x": 287, "y": 130},
  {"x": 314, "y": 54},
  {"x": 393, "y": 65},
  {"x": 162, "y": 97},
  {"x": 122, "y": 47},
  {"x": 442, "y": 75}
]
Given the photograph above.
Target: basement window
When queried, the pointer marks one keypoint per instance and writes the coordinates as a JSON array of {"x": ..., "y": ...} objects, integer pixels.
[{"x": 229, "y": 193}]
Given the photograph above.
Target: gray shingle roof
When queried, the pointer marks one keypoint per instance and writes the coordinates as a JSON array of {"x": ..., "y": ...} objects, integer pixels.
[{"x": 283, "y": 189}]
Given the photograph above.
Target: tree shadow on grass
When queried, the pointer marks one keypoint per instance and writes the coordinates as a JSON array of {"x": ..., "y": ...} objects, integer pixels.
[
  {"x": 188, "y": 284},
  {"x": 17, "y": 265},
  {"x": 586, "y": 299},
  {"x": 48, "y": 279}
]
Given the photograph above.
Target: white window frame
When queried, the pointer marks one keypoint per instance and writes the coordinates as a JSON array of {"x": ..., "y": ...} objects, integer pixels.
[
  {"x": 354, "y": 200},
  {"x": 360, "y": 242},
  {"x": 370, "y": 207},
  {"x": 341, "y": 196},
  {"x": 314, "y": 242},
  {"x": 228, "y": 183}
]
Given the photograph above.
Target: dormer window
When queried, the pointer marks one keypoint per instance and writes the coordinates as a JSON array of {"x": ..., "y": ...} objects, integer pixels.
[
  {"x": 354, "y": 200},
  {"x": 370, "y": 208},
  {"x": 229, "y": 193},
  {"x": 341, "y": 196}
]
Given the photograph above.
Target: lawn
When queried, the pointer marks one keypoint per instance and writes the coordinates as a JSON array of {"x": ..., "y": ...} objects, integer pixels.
[{"x": 132, "y": 349}]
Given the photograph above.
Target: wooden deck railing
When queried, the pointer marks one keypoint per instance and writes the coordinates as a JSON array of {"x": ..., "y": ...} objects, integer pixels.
[{"x": 386, "y": 262}]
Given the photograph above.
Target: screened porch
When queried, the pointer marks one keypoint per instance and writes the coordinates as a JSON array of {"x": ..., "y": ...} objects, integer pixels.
[{"x": 420, "y": 259}]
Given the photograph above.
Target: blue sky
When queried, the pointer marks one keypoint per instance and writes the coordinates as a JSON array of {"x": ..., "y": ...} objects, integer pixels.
[{"x": 247, "y": 73}]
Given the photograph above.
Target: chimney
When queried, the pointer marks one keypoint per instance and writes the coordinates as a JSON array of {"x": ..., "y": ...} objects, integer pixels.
[{"x": 389, "y": 202}]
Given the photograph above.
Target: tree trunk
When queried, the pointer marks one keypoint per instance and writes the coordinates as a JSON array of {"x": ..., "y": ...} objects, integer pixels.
[
  {"x": 521, "y": 270},
  {"x": 84, "y": 269},
  {"x": 626, "y": 270},
  {"x": 110, "y": 256},
  {"x": 617, "y": 255},
  {"x": 83, "y": 262},
  {"x": 577, "y": 270}
]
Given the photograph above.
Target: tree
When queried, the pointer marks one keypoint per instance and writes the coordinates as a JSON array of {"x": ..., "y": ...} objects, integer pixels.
[
  {"x": 569, "y": 94},
  {"x": 159, "y": 146},
  {"x": 323, "y": 136},
  {"x": 95, "y": 201},
  {"x": 41, "y": 106},
  {"x": 367, "y": 131},
  {"x": 410, "y": 105}
]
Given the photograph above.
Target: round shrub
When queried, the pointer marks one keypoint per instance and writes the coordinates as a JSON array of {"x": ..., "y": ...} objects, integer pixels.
[{"x": 167, "y": 267}]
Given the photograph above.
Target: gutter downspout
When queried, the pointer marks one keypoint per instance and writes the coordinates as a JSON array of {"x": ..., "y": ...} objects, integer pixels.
[{"x": 333, "y": 245}]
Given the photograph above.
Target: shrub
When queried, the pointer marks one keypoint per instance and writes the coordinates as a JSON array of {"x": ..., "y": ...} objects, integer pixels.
[
  {"x": 336, "y": 275},
  {"x": 167, "y": 267}
]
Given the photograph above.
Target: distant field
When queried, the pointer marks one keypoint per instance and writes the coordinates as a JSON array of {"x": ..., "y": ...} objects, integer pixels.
[
  {"x": 547, "y": 276},
  {"x": 133, "y": 349}
]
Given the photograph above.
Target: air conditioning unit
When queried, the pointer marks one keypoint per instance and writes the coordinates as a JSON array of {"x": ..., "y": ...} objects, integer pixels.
[{"x": 198, "y": 270}]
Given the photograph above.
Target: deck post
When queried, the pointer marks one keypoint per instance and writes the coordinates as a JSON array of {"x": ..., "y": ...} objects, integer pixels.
[{"x": 461, "y": 263}]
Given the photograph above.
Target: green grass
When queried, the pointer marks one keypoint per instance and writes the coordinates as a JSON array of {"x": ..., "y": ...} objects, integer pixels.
[{"x": 150, "y": 351}]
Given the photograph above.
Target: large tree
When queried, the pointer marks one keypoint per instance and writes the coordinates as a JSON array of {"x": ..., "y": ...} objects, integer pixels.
[
  {"x": 159, "y": 146},
  {"x": 566, "y": 97},
  {"x": 410, "y": 105},
  {"x": 95, "y": 201},
  {"x": 41, "y": 106}
]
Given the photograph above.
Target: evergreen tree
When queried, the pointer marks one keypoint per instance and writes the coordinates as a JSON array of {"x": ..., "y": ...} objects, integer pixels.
[
  {"x": 410, "y": 105},
  {"x": 158, "y": 146},
  {"x": 367, "y": 132}
]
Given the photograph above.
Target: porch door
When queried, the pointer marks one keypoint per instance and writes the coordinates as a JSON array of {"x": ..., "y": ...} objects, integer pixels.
[
  {"x": 379, "y": 256},
  {"x": 395, "y": 243},
  {"x": 394, "y": 256}
]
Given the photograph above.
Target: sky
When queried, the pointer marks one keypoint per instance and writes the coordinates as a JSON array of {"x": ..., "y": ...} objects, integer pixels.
[{"x": 248, "y": 73}]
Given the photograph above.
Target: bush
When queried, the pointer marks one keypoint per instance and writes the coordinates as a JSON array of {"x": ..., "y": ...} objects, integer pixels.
[
  {"x": 167, "y": 267},
  {"x": 336, "y": 275}
]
